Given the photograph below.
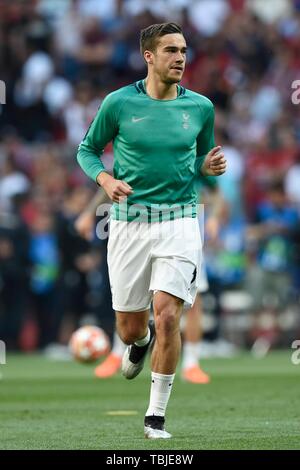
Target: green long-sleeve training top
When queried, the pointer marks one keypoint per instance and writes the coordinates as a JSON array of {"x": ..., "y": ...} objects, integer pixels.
[{"x": 159, "y": 148}]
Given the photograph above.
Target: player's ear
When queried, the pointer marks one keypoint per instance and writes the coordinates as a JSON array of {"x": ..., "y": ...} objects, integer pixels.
[{"x": 148, "y": 56}]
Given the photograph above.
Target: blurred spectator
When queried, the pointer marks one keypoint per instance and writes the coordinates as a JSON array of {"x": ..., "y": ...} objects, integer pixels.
[
  {"x": 37, "y": 71},
  {"x": 44, "y": 278},
  {"x": 292, "y": 183},
  {"x": 226, "y": 263},
  {"x": 269, "y": 281},
  {"x": 102, "y": 10},
  {"x": 14, "y": 278},
  {"x": 231, "y": 183},
  {"x": 76, "y": 256},
  {"x": 279, "y": 9},
  {"x": 207, "y": 16},
  {"x": 57, "y": 94},
  {"x": 79, "y": 112},
  {"x": 12, "y": 183}
]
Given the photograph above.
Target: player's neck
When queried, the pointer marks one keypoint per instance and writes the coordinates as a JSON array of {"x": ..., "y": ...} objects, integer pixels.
[{"x": 159, "y": 90}]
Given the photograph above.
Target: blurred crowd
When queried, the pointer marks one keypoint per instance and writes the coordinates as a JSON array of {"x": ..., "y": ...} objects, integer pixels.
[{"x": 58, "y": 59}]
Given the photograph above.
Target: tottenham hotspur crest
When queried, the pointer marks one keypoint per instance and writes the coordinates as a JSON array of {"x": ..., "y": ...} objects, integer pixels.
[{"x": 185, "y": 120}]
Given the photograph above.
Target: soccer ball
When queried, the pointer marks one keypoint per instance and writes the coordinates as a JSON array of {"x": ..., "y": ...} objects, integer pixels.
[{"x": 88, "y": 343}]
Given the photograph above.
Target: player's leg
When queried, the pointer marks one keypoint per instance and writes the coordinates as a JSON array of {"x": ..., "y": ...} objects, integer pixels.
[
  {"x": 132, "y": 326},
  {"x": 191, "y": 371},
  {"x": 129, "y": 262},
  {"x": 112, "y": 363},
  {"x": 173, "y": 281},
  {"x": 167, "y": 309},
  {"x": 137, "y": 332}
]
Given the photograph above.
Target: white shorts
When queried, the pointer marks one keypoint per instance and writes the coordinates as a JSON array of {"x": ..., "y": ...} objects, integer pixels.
[
  {"x": 203, "y": 281},
  {"x": 143, "y": 258}
]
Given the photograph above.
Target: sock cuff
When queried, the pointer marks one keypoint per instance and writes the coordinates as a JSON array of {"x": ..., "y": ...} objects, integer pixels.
[
  {"x": 156, "y": 375},
  {"x": 143, "y": 341},
  {"x": 161, "y": 386}
]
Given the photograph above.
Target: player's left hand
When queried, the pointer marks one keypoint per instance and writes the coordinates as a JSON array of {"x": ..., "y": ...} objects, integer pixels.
[{"x": 214, "y": 163}]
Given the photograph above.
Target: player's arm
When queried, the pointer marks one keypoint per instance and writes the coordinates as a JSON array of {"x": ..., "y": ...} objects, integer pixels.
[
  {"x": 103, "y": 129},
  {"x": 84, "y": 223},
  {"x": 210, "y": 160}
]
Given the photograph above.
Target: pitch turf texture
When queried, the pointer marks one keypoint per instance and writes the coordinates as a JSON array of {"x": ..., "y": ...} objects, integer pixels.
[{"x": 250, "y": 404}]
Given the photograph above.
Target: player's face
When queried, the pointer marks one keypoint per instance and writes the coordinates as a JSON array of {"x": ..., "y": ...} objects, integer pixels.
[{"x": 169, "y": 58}]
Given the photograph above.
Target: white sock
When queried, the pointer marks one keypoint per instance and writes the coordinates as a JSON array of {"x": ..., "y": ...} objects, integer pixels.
[
  {"x": 189, "y": 354},
  {"x": 161, "y": 386},
  {"x": 118, "y": 345},
  {"x": 143, "y": 341}
]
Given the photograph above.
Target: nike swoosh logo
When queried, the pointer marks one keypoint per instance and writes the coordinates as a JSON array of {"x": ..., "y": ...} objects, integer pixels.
[{"x": 134, "y": 119}]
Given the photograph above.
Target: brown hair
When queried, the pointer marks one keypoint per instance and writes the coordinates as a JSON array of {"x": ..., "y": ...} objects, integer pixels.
[{"x": 149, "y": 35}]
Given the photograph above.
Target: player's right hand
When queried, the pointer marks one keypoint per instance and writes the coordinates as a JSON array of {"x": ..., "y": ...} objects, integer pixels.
[
  {"x": 212, "y": 228},
  {"x": 116, "y": 190},
  {"x": 84, "y": 224}
]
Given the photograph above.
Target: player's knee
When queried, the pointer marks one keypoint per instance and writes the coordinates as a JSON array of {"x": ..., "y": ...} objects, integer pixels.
[
  {"x": 166, "y": 303},
  {"x": 131, "y": 327},
  {"x": 167, "y": 322},
  {"x": 130, "y": 334},
  {"x": 124, "y": 337},
  {"x": 127, "y": 336},
  {"x": 167, "y": 315}
]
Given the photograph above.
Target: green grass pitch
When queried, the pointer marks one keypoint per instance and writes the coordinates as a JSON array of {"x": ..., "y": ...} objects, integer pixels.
[{"x": 250, "y": 404}]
